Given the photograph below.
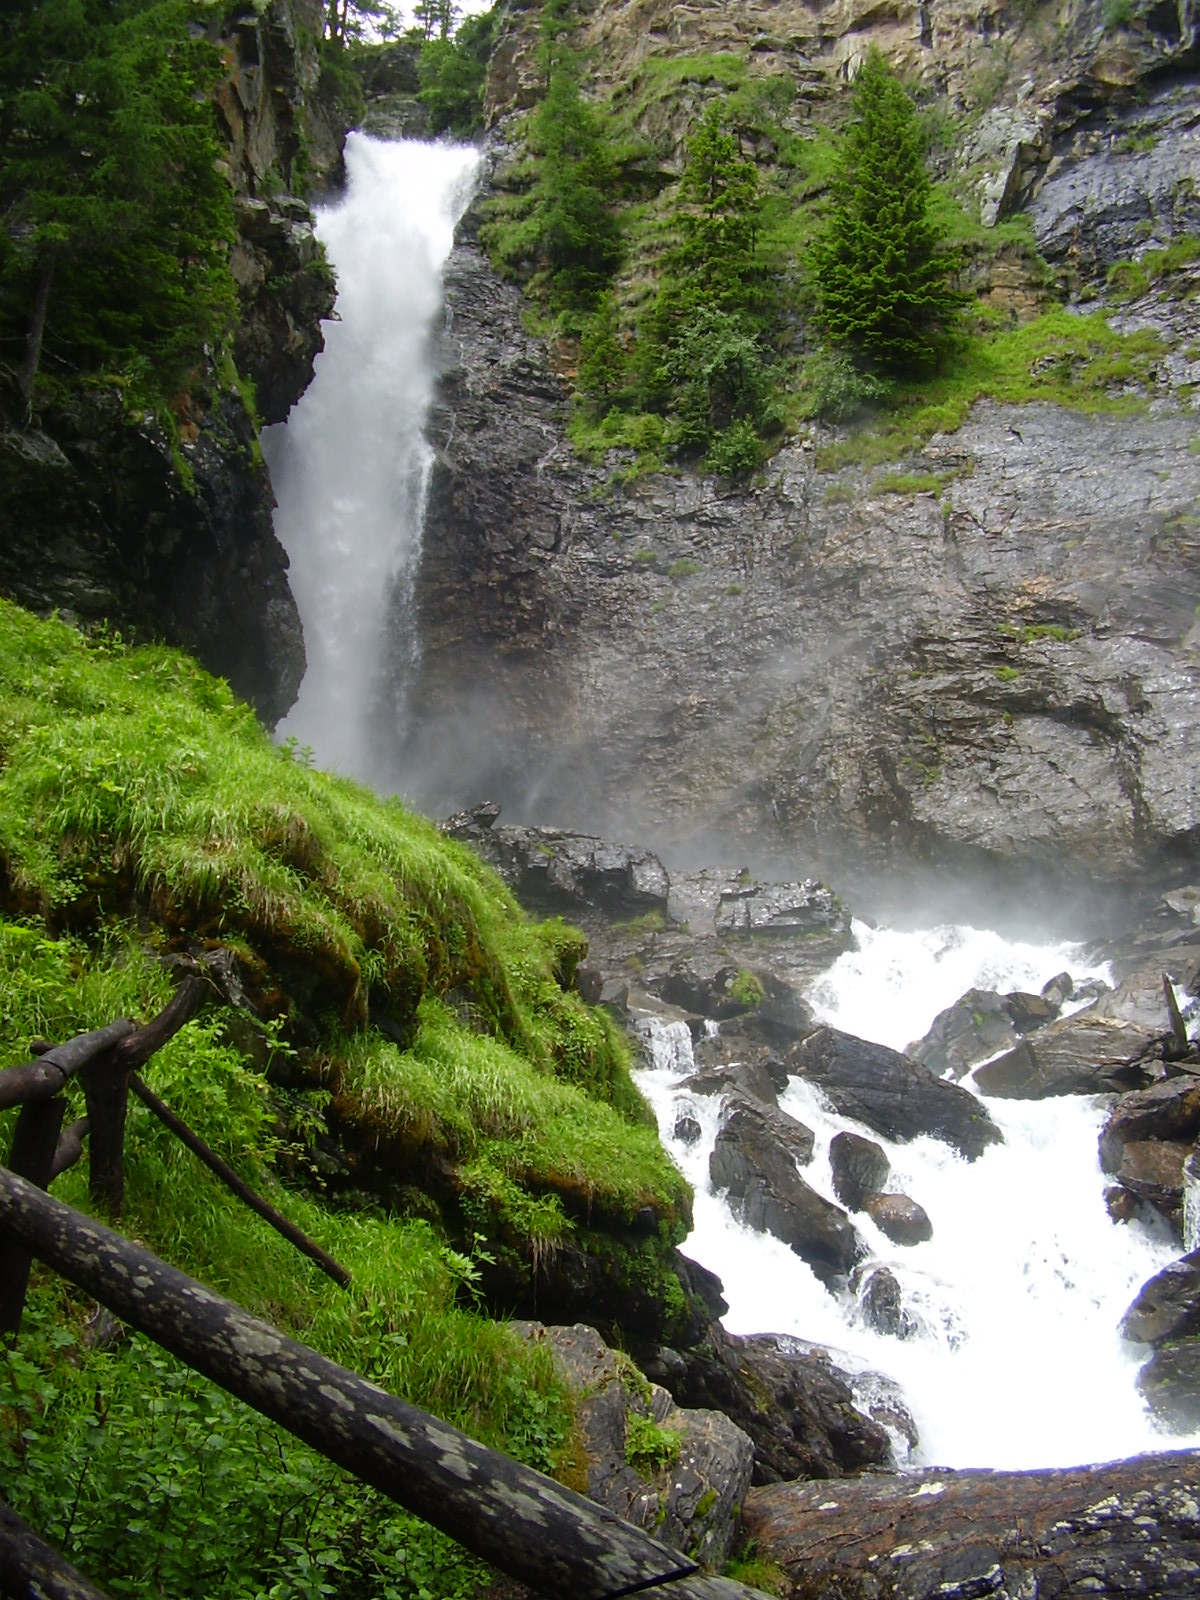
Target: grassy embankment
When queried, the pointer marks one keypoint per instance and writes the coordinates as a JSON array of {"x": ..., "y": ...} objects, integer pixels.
[{"x": 143, "y": 811}]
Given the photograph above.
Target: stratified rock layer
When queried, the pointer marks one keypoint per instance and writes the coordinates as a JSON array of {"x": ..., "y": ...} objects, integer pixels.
[{"x": 1130, "y": 1529}]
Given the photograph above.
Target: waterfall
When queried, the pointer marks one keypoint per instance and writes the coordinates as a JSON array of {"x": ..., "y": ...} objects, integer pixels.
[
  {"x": 351, "y": 464},
  {"x": 1013, "y": 1359}
]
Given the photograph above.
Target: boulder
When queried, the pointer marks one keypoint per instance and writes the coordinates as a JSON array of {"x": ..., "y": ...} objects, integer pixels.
[
  {"x": 860, "y": 1168},
  {"x": 1169, "y": 1110},
  {"x": 891, "y": 1093},
  {"x": 754, "y": 1161},
  {"x": 973, "y": 1028},
  {"x": 798, "y": 1406},
  {"x": 1167, "y": 1305},
  {"x": 1127, "y": 1528},
  {"x": 882, "y": 1303},
  {"x": 1087, "y": 1053},
  {"x": 1170, "y": 1385},
  {"x": 757, "y": 1080},
  {"x": 681, "y": 1475},
  {"x": 1152, "y": 1170},
  {"x": 1028, "y": 1012},
  {"x": 902, "y": 1220}
]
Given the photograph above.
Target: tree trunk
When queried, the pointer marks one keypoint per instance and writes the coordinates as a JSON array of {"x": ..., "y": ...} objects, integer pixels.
[{"x": 37, "y": 326}]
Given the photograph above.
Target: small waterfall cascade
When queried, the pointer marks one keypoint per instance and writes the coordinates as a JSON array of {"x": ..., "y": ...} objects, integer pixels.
[
  {"x": 1011, "y": 1357},
  {"x": 351, "y": 464}
]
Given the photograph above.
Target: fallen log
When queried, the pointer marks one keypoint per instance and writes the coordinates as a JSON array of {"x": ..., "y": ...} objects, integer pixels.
[
  {"x": 524, "y": 1523},
  {"x": 30, "y": 1569},
  {"x": 1128, "y": 1528}
]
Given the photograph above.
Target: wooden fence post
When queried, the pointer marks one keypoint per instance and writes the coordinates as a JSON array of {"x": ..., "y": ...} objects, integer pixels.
[{"x": 34, "y": 1142}]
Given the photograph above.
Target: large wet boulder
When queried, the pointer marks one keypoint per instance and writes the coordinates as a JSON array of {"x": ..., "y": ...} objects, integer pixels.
[
  {"x": 881, "y": 1301},
  {"x": 754, "y": 1162},
  {"x": 1089, "y": 1053},
  {"x": 891, "y": 1093},
  {"x": 1166, "y": 1315},
  {"x": 1166, "y": 1111},
  {"x": 859, "y": 1166},
  {"x": 799, "y": 1407},
  {"x": 1129, "y": 1529},
  {"x": 899, "y": 1218},
  {"x": 1167, "y": 1305},
  {"x": 976, "y": 1026}
]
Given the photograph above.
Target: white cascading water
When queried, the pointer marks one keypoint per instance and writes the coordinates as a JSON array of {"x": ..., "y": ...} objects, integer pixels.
[
  {"x": 1014, "y": 1359},
  {"x": 351, "y": 464}
]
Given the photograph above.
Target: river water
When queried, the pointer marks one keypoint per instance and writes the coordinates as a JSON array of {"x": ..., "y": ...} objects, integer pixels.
[{"x": 1014, "y": 1358}]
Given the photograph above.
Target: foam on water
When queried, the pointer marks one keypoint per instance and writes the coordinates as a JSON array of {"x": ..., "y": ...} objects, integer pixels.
[{"x": 1014, "y": 1359}]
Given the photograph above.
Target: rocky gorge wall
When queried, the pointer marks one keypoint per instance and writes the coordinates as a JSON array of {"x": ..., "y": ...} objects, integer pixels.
[
  {"x": 993, "y": 663},
  {"x": 109, "y": 520}
]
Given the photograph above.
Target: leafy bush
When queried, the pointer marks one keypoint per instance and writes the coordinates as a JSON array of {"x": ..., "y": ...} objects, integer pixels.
[{"x": 835, "y": 387}]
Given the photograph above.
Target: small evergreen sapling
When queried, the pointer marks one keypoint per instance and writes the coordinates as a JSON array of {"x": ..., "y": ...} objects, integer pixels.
[{"x": 883, "y": 279}]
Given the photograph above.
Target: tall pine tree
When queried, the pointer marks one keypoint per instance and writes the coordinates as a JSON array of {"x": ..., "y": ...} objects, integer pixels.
[{"x": 883, "y": 278}]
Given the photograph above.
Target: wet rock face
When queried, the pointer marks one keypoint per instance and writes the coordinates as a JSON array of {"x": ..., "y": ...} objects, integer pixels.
[
  {"x": 999, "y": 669},
  {"x": 1001, "y": 672},
  {"x": 101, "y": 529}
]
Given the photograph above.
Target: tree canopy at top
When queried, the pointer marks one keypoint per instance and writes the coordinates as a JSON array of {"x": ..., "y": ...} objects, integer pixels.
[
  {"x": 116, "y": 216},
  {"x": 883, "y": 279}
]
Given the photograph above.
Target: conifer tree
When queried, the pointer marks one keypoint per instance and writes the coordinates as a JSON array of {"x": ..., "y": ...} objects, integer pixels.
[
  {"x": 718, "y": 214},
  {"x": 883, "y": 278},
  {"x": 115, "y": 221}
]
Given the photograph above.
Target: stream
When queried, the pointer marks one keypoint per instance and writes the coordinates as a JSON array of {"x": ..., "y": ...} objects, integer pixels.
[{"x": 1012, "y": 1359}]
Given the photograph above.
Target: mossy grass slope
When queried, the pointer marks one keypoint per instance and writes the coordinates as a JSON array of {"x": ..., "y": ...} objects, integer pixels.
[{"x": 491, "y": 1127}]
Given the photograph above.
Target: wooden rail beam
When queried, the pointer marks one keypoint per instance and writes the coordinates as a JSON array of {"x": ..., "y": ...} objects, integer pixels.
[
  {"x": 522, "y": 1522},
  {"x": 41, "y": 1079},
  {"x": 30, "y": 1569}
]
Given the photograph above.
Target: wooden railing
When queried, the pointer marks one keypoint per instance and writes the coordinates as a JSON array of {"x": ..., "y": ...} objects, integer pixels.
[{"x": 522, "y": 1522}]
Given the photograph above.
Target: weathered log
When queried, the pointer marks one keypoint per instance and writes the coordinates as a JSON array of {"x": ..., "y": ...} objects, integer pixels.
[
  {"x": 39, "y": 1080},
  {"x": 30, "y": 1569},
  {"x": 1129, "y": 1528},
  {"x": 524, "y": 1523},
  {"x": 238, "y": 1185},
  {"x": 34, "y": 1141}
]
